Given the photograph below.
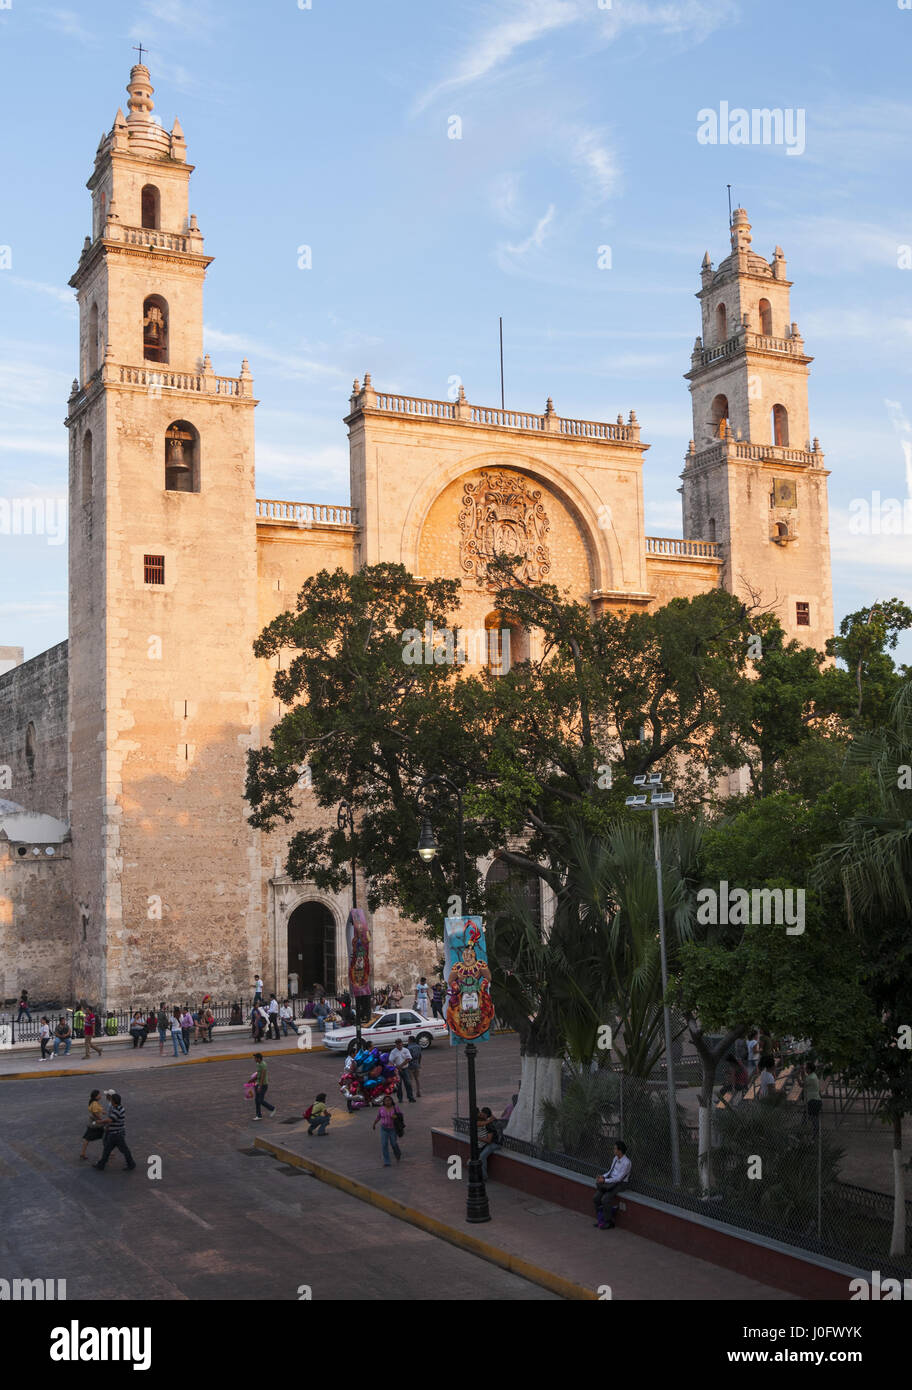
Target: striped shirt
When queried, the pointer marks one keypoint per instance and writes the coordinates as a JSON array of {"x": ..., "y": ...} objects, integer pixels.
[{"x": 118, "y": 1119}]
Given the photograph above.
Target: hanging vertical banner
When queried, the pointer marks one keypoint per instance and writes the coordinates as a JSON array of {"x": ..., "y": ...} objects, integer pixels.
[
  {"x": 357, "y": 936},
  {"x": 469, "y": 1006}
]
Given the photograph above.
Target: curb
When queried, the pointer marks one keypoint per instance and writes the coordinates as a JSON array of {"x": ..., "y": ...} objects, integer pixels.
[
  {"x": 514, "y": 1264},
  {"x": 99, "y": 1070}
]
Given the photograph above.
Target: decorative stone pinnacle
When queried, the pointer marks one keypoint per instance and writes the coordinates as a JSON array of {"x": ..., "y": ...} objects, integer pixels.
[
  {"x": 633, "y": 418},
  {"x": 367, "y": 381},
  {"x": 816, "y": 448},
  {"x": 620, "y": 418},
  {"x": 549, "y": 407},
  {"x": 356, "y": 386},
  {"x": 74, "y": 389},
  {"x": 207, "y": 363},
  {"x": 140, "y": 88},
  {"x": 462, "y": 394},
  {"x": 245, "y": 368}
]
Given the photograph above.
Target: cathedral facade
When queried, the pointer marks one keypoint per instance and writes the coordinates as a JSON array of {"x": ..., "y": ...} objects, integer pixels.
[{"x": 128, "y": 870}]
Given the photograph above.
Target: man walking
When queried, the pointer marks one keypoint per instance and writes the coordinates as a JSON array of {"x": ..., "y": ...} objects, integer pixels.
[
  {"x": 115, "y": 1135},
  {"x": 89, "y": 1031},
  {"x": 413, "y": 1048},
  {"x": 261, "y": 1086},
  {"x": 402, "y": 1060},
  {"x": 23, "y": 1007},
  {"x": 607, "y": 1184},
  {"x": 257, "y": 989},
  {"x": 272, "y": 1009}
]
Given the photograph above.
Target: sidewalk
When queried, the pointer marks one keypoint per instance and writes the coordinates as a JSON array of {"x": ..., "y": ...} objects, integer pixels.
[
  {"x": 23, "y": 1061},
  {"x": 548, "y": 1244}
]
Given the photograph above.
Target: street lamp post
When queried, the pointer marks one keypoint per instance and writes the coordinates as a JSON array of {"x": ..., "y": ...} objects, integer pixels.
[
  {"x": 660, "y": 799},
  {"x": 477, "y": 1209},
  {"x": 345, "y": 819}
]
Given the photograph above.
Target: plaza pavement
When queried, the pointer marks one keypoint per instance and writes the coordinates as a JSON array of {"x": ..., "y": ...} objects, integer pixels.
[{"x": 226, "y": 1222}]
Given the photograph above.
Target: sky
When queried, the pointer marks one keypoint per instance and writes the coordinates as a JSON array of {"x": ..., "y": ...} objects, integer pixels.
[{"x": 448, "y": 163}]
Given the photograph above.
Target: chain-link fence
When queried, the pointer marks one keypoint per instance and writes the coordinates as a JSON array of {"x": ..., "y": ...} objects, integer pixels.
[{"x": 762, "y": 1165}]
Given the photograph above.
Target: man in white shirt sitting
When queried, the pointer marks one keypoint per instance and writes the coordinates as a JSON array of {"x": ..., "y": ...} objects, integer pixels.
[{"x": 607, "y": 1184}]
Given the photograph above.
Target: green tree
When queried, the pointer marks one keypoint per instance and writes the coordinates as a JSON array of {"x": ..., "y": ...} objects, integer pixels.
[{"x": 872, "y": 861}]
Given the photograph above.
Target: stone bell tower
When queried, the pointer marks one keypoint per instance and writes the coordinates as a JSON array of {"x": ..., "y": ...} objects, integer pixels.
[
  {"x": 163, "y": 694},
  {"x": 754, "y": 479}
]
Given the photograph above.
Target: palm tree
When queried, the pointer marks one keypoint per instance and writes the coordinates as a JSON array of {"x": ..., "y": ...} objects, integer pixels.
[
  {"x": 873, "y": 860},
  {"x": 597, "y": 967}
]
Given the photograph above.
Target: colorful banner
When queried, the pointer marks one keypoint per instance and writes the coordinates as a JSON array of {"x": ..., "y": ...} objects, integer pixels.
[
  {"x": 469, "y": 1006},
  {"x": 357, "y": 936}
]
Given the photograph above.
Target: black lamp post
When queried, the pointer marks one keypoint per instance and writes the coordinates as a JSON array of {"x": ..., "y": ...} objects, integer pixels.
[
  {"x": 476, "y": 1194},
  {"x": 345, "y": 819}
]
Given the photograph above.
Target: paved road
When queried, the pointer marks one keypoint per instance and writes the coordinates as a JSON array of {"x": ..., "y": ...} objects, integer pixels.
[{"x": 220, "y": 1223}]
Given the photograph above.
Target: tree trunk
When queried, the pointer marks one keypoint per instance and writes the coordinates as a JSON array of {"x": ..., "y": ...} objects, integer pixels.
[
  {"x": 898, "y": 1237},
  {"x": 541, "y": 1080}
]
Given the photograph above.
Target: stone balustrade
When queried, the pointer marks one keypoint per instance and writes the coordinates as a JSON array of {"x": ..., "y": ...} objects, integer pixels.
[
  {"x": 679, "y": 549},
  {"x": 160, "y": 378},
  {"x": 303, "y": 513},
  {"x": 461, "y": 410}
]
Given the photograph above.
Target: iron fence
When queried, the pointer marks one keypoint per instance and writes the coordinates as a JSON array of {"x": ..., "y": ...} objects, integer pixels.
[
  {"x": 771, "y": 1168},
  {"x": 117, "y": 1023}
]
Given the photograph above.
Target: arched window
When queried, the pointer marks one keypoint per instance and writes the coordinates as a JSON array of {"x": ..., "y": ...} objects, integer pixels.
[
  {"x": 766, "y": 318},
  {"x": 782, "y": 530},
  {"x": 506, "y": 642},
  {"x": 779, "y": 426},
  {"x": 721, "y": 323},
  {"x": 155, "y": 329},
  {"x": 85, "y": 468},
  {"x": 719, "y": 416},
  {"x": 92, "y": 344},
  {"x": 181, "y": 457},
  {"x": 150, "y": 199},
  {"x": 712, "y": 528},
  {"x": 30, "y": 748}
]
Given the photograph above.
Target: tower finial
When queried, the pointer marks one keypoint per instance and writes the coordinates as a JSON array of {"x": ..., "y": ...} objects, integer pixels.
[{"x": 140, "y": 88}]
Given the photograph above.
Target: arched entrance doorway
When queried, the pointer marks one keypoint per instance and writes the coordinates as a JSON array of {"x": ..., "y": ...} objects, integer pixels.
[{"x": 312, "y": 947}]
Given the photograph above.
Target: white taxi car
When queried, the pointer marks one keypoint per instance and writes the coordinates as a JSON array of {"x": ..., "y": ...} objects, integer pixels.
[{"x": 385, "y": 1027}]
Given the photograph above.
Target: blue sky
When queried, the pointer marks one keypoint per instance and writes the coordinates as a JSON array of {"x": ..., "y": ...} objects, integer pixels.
[{"x": 329, "y": 127}]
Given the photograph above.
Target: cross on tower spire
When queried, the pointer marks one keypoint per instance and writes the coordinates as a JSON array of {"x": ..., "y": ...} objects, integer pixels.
[{"x": 138, "y": 48}]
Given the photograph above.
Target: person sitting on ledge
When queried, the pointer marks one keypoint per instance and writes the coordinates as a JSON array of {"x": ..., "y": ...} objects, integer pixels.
[{"x": 617, "y": 1179}]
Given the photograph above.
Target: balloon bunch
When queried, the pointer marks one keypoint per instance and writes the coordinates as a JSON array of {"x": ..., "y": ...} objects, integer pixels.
[{"x": 370, "y": 1076}]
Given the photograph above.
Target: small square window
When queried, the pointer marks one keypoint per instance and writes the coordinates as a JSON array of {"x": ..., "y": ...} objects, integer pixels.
[
  {"x": 803, "y": 614},
  {"x": 153, "y": 569}
]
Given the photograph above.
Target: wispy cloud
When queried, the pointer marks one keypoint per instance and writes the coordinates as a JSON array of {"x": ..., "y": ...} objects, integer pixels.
[
  {"x": 508, "y": 252},
  {"x": 192, "y": 20},
  {"x": 62, "y": 296},
  {"x": 596, "y": 163},
  {"x": 68, "y": 23},
  {"x": 292, "y": 365},
  {"x": 524, "y": 23}
]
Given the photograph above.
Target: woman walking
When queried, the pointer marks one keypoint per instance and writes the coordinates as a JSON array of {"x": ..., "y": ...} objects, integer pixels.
[
  {"x": 44, "y": 1037},
  {"x": 261, "y": 1086},
  {"x": 177, "y": 1036},
  {"x": 97, "y": 1121},
  {"x": 389, "y": 1130}
]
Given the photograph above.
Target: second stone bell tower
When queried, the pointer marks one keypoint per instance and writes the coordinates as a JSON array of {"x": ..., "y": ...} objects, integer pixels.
[
  {"x": 754, "y": 478},
  {"x": 163, "y": 583}
]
